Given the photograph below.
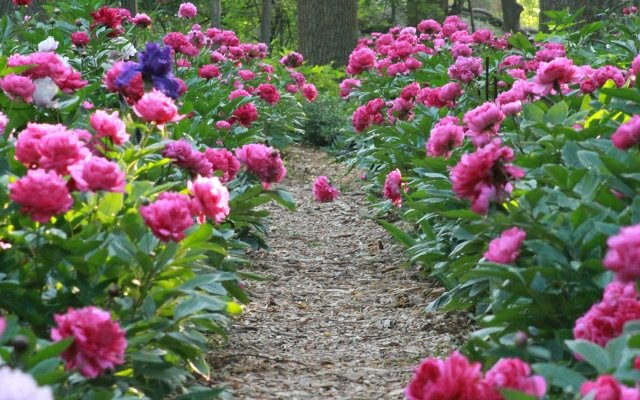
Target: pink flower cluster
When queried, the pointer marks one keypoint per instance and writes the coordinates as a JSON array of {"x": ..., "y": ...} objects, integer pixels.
[
  {"x": 606, "y": 387},
  {"x": 157, "y": 107},
  {"x": 323, "y": 191},
  {"x": 455, "y": 378},
  {"x": 485, "y": 176},
  {"x": 445, "y": 136},
  {"x": 169, "y": 216},
  {"x": 466, "y": 69},
  {"x": 262, "y": 161},
  {"x": 605, "y": 320},
  {"x": 393, "y": 187},
  {"x": 554, "y": 76},
  {"x": 210, "y": 199},
  {"x": 623, "y": 254},
  {"x": 187, "y": 10},
  {"x": 444, "y": 96},
  {"x": 628, "y": 134},
  {"x": 98, "y": 342},
  {"x": 483, "y": 123},
  {"x": 369, "y": 114},
  {"x": 506, "y": 248}
]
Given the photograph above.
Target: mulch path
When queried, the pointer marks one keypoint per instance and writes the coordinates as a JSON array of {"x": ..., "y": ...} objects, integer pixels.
[{"x": 342, "y": 314}]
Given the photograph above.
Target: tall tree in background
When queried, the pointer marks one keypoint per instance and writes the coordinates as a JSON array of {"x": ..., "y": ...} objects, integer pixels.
[
  {"x": 6, "y": 6},
  {"x": 591, "y": 8},
  {"x": 511, "y": 11},
  {"x": 216, "y": 13},
  {"x": 417, "y": 10},
  {"x": 327, "y": 30},
  {"x": 131, "y": 5},
  {"x": 265, "y": 21}
]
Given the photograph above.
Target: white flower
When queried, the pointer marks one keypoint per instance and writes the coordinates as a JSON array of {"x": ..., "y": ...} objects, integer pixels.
[
  {"x": 17, "y": 385},
  {"x": 49, "y": 44},
  {"x": 46, "y": 89}
]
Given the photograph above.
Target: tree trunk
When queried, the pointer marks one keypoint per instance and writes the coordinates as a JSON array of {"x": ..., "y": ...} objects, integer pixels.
[
  {"x": 216, "y": 13},
  {"x": 7, "y": 7},
  {"x": 327, "y": 30},
  {"x": 265, "y": 21},
  {"x": 511, "y": 11},
  {"x": 131, "y": 5},
  {"x": 417, "y": 10},
  {"x": 591, "y": 8}
]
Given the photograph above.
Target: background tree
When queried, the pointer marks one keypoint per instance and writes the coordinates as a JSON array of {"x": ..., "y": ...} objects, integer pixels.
[
  {"x": 265, "y": 21},
  {"x": 417, "y": 10},
  {"x": 6, "y": 6},
  {"x": 216, "y": 13},
  {"x": 511, "y": 11},
  {"x": 327, "y": 30},
  {"x": 131, "y": 5},
  {"x": 591, "y": 8}
]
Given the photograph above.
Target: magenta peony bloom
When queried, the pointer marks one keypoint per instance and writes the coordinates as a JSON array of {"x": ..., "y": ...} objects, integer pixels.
[
  {"x": 262, "y": 161},
  {"x": 445, "y": 136},
  {"x": 185, "y": 156},
  {"x": 554, "y": 75},
  {"x": 360, "y": 60},
  {"x": 269, "y": 93},
  {"x": 245, "y": 115},
  {"x": 223, "y": 160},
  {"x": 209, "y": 71},
  {"x": 142, "y": 20},
  {"x": 393, "y": 186},
  {"x": 323, "y": 191},
  {"x": 16, "y": 86},
  {"x": 27, "y": 144},
  {"x": 605, "y": 320},
  {"x": 452, "y": 379},
  {"x": 292, "y": 60},
  {"x": 223, "y": 125},
  {"x": 156, "y": 107},
  {"x": 169, "y": 216},
  {"x": 3, "y": 326},
  {"x": 483, "y": 123},
  {"x": 48, "y": 65},
  {"x": 97, "y": 174},
  {"x": 210, "y": 198},
  {"x": 79, "y": 39},
  {"x": 347, "y": 85},
  {"x": 61, "y": 149},
  {"x": 429, "y": 26},
  {"x": 466, "y": 69},
  {"x": 623, "y": 255},
  {"x": 133, "y": 91},
  {"x": 505, "y": 249},
  {"x": 514, "y": 374},
  {"x": 635, "y": 65},
  {"x": 21, "y": 2},
  {"x": 444, "y": 96},
  {"x": 485, "y": 176},
  {"x": 628, "y": 134},
  {"x": 18, "y": 385},
  {"x": 606, "y": 387},
  {"x": 98, "y": 341},
  {"x": 4, "y": 121},
  {"x": 309, "y": 92},
  {"x": 187, "y": 10},
  {"x": 41, "y": 194},
  {"x": 109, "y": 126}
]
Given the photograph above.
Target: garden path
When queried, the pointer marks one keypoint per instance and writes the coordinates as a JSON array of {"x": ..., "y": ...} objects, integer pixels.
[{"x": 341, "y": 317}]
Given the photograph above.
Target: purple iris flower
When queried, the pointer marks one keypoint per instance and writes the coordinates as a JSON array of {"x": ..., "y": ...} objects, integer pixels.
[{"x": 155, "y": 65}]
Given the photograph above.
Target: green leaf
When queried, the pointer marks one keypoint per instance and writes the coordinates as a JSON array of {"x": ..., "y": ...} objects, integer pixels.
[
  {"x": 53, "y": 350},
  {"x": 557, "y": 114},
  {"x": 514, "y": 395},
  {"x": 593, "y": 354},
  {"x": 284, "y": 198},
  {"x": 109, "y": 207},
  {"x": 560, "y": 376},
  {"x": 532, "y": 112},
  {"x": 397, "y": 233}
]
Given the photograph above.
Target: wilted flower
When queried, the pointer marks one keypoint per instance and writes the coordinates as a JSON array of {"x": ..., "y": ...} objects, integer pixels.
[{"x": 323, "y": 191}]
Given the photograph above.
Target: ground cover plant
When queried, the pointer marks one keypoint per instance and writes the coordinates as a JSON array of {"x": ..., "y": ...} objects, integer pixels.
[
  {"x": 515, "y": 161},
  {"x": 134, "y": 161}
]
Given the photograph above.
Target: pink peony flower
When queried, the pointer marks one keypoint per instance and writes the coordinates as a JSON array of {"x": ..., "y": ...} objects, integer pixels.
[
  {"x": 18, "y": 385},
  {"x": 3, "y": 326},
  {"x": 263, "y": 161},
  {"x": 505, "y": 249},
  {"x": 628, "y": 134},
  {"x": 483, "y": 123},
  {"x": 180, "y": 43},
  {"x": 246, "y": 75},
  {"x": 606, "y": 387},
  {"x": 360, "y": 60},
  {"x": 466, "y": 69},
  {"x": 223, "y": 160},
  {"x": 605, "y": 320},
  {"x": 209, "y": 71},
  {"x": 79, "y": 39},
  {"x": 185, "y": 156},
  {"x": 323, "y": 191},
  {"x": 156, "y": 107},
  {"x": 393, "y": 186},
  {"x": 268, "y": 93},
  {"x": 514, "y": 374},
  {"x": 292, "y": 60},
  {"x": 551, "y": 51},
  {"x": 552, "y": 76},
  {"x": 61, "y": 149},
  {"x": 41, "y": 194},
  {"x": 131, "y": 92},
  {"x": 429, "y": 26},
  {"x": 142, "y": 20},
  {"x": 169, "y": 216},
  {"x": 635, "y": 65},
  {"x": 27, "y": 144},
  {"x": 223, "y": 125},
  {"x": 309, "y": 92},
  {"x": 15, "y": 86},
  {"x": 347, "y": 85},
  {"x": 4, "y": 121},
  {"x": 245, "y": 115},
  {"x": 187, "y": 10},
  {"x": 97, "y": 174},
  {"x": 48, "y": 65},
  {"x": 461, "y": 50},
  {"x": 452, "y": 379},
  {"x": 485, "y": 176},
  {"x": 445, "y": 136},
  {"x": 444, "y": 96},
  {"x": 98, "y": 341},
  {"x": 210, "y": 198},
  {"x": 623, "y": 254},
  {"x": 109, "y": 126},
  {"x": 603, "y": 74}
]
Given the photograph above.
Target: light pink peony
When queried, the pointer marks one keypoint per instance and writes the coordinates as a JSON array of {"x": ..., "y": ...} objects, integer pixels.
[
  {"x": 156, "y": 107},
  {"x": 628, "y": 134},
  {"x": 605, "y": 320},
  {"x": 452, "y": 379},
  {"x": 485, "y": 176},
  {"x": 323, "y": 191},
  {"x": 445, "y": 136},
  {"x": 505, "y": 249},
  {"x": 360, "y": 60},
  {"x": 514, "y": 374},
  {"x": 48, "y": 65},
  {"x": 109, "y": 126},
  {"x": 41, "y": 194},
  {"x": 483, "y": 123},
  {"x": 554, "y": 75},
  {"x": 97, "y": 174},
  {"x": 393, "y": 187},
  {"x": 606, "y": 387},
  {"x": 347, "y": 85},
  {"x": 61, "y": 149},
  {"x": 187, "y": 10},
  {"x": 4, "y": 121},
  {"x": 623, "y": 255},
  {"x": 18, "y": 385},
  {"x": 16, "y": 86},
  {"x": 466, "y": 69},
  {"x": 210, "y": 198},
  {"x": 141, "y": 20},
  {"x": 223, "y": 125},
  {"x": 263, "y": 161},
  {"x": 429, "y": 26},
  {"x": 98, "y": 341},
  {"x": 27, "y": 144},
  {"x": 169, "y": 216},
  {"x": 223, "y": 160}
]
